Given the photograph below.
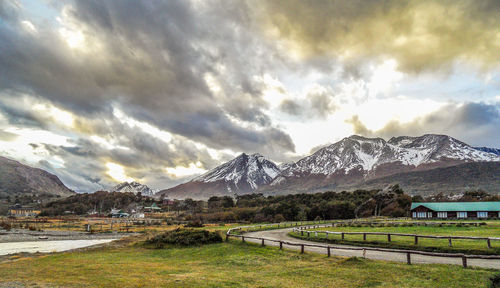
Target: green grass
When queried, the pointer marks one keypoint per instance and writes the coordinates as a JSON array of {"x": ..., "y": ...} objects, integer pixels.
[
  {"x": 492, "y": 229},
  {"x": 230, "y": 264}
]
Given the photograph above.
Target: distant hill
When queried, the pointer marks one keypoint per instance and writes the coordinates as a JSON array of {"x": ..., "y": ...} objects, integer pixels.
[{"x": 17, "y": 179}]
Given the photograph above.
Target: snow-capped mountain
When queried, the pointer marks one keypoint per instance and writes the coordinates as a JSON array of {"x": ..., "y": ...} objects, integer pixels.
[
  {"x": 357, "y": 159},
  {"x": 243, "y": 174},
  {"x": 133, "y": 187},
  {"x": 367, "y": 154},
  {"x": 354, "y": 162}
]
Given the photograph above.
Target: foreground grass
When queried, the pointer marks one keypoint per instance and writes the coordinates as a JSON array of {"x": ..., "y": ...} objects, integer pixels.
[
  {"x": 492, "y": 229},
  {"x": 227, "y": 264}
]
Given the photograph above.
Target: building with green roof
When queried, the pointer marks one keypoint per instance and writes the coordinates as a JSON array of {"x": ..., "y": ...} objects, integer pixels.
[{"x": 460, "y": 210}]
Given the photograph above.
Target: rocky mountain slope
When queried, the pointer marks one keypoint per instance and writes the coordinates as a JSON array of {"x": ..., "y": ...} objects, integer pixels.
[
  {"x": 244, "y": 174},
  {"x": 133, "y": 187},
  {"x": 19, "y": 179}
]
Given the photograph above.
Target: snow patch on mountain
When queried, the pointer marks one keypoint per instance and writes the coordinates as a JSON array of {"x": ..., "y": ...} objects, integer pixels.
[{"x": 489, "y": 150}]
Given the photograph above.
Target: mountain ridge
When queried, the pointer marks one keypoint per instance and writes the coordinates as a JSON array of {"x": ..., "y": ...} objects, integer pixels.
[
  {"x": 350, "y": 162},
  {"x": 17, "y": 179}
]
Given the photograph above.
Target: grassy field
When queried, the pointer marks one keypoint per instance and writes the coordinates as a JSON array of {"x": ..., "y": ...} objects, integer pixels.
[
  {"x": 492, "y": 229},
  {"x": 227, "y": 264}
]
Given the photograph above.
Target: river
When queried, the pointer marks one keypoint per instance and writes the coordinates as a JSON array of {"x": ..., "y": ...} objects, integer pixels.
[{"x": 48, "y": 246}]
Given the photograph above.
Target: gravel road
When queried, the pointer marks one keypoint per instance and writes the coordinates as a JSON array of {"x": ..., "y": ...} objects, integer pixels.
[{"x": 282, "y": 234}]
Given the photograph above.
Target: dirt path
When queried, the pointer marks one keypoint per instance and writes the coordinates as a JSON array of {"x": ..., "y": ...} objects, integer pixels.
[{"x": 282, "y": 234}]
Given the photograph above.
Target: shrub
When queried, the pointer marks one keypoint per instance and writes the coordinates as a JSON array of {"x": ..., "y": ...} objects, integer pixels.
[
  {"x": 279, "y": 218},
  {"x": 185, "y": 237},
  {"x": 5, "y": 226},
  {"x": 195, "y": 223}
]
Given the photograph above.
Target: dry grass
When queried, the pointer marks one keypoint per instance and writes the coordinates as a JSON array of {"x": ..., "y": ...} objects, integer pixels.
[{"x": 230, "y": 264}]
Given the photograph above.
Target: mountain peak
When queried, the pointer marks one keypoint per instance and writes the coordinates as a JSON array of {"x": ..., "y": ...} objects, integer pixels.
[
  {"x": 133, "y": 187},
  {"x": 243, "y": 174}
]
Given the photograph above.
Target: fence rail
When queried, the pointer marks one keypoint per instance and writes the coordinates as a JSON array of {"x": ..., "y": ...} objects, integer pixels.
[
  {"x": 389, "y": 235},
  {"x": 328, "y": 248}
]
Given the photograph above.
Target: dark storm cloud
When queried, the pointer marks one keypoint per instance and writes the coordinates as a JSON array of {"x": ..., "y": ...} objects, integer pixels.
[
  {"x": 290, "y": 107},
  {"x": 473, "y": 123},
  {"x": 19, "y": 116},
  {"x": 150, "y": 58},
  {"x": 317, "y": 103}
]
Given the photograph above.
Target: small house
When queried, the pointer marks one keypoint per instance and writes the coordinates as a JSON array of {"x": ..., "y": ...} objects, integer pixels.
[
  {"x": 456, "y": 210},
  {"x": 152, "y": 209},
  {"x": 116, "y": 213},
  {"x": 23, "y": 211}
]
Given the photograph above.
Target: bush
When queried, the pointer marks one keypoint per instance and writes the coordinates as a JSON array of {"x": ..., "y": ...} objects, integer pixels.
[
  {"x": 195, "y": 223},
  {"x": 185, "y": 237},
  {"x": 5, "y": 226}
]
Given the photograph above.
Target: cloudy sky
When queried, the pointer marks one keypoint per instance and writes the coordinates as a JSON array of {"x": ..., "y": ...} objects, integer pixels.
[{"x": 100, "y": 92}]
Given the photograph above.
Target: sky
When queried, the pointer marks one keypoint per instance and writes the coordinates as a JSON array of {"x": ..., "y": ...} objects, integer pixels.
[{"x": 100, "y": 92}]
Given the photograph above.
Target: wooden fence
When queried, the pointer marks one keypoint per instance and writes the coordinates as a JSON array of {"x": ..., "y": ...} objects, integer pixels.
[
  {"x": 328, "y": 248},
  {"x": 303, "y": 230}
]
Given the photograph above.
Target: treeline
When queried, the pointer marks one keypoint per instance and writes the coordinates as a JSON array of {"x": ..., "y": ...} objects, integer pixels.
[
  {"x": 392, "y": 202},
  {"x": 302, "y": 207},
  {"x": 100, "y": 202}
]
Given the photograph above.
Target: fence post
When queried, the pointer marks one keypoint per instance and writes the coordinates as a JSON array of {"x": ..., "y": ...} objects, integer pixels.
[
  {"x": 449, "y": 241},
  {"x": 364, "y": 236},
  {"x": 263, "y": 242},
  {"x": 408, "y": 258},
  {"x": 342, "y": 234},
  {"x": 308, "y": 234},
  {"x": 326, "y": 235},
  {"x": 364, "y": 253},
  {"x": 302, "y": 232},
  {"x": 464, "y": 261},
  {"x": 242, "y": 238},
  {"x": 227, "y": 237},
  {"x": 281, "y": 245},
  {"x": 489, "y": 243},
  {"x": 388, "y": 237},
  {"x": 328, "y": 249},
  {"x": 302, "y": 248},
  {"x": 416, "y": 240}
]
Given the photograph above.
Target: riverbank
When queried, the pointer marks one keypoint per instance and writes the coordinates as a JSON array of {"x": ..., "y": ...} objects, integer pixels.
[{"x": 24, "y": 235}]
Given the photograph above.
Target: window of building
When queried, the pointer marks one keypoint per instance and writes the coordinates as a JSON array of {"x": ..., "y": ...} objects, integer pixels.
[
  {"x": 421, "y": 214},
  {"x": 414, "y": 215},
  {"x": 461, "y": 214},
  {"x": 482, "y": 214},
  {"x": 442, "y": 214},
  {"x": 429, "y": 214}
]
